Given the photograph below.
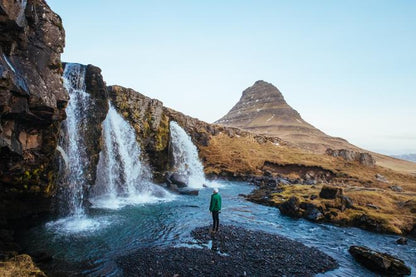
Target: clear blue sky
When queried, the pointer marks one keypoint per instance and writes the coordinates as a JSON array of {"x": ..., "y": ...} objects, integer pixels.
[{"x": 348, "y": 67}]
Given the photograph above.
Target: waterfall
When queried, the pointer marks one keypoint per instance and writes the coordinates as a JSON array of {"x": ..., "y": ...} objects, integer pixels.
[
  {"x": 72, "y": 143},
  {"x": 122, "y": 177},
  {"x": 185, "y": 156}
]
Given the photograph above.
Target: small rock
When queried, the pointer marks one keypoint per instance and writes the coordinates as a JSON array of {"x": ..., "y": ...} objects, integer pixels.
[
  {"x": 372, "y": 206},
  {"x": 396, "y": 188},
  {"x": 381, "y": 178},
  {"x": 402, "y": 241},
  {"x": 346, "y": 203},
  {"x": 313, "y": 197},
  {"x": 309, "y": 182}
]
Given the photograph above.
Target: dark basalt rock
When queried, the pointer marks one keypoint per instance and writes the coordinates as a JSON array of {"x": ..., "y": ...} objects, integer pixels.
[
  {"x": 379, "y": 262},
  {"x": 291, "y": 207},
  {"x": 32, "y": 106},
  {"x": 402, "y": 241},
  {"x": 311, "y": 212},
  {"x": 96, "y": 113},
  {"x": 179, "y": 180},
  {"x": 328, "y": 192},
  {"x": 187, "y": 191}
]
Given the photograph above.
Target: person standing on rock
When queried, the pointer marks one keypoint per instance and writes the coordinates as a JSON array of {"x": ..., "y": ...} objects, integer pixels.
[{"x": 215, "y": 209}]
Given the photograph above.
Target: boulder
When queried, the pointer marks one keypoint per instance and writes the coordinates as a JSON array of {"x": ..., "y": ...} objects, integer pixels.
[
  {"x": 311, "y": 212},
  {"x": 346, "y": 202},
  {"x": 381, "y": 178},
  {"x": 379, "y": 262},
  {"x": 179, "y": 180},
  {"x": 291, "y": 207},
  {"x": 402, "y": 241},
  {"x": 328, "y": 192},
  {"x": 396, "y": 188}
]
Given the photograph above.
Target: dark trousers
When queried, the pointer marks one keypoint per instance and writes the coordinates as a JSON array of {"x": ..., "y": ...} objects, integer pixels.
[{"x": 216, "y": 220}]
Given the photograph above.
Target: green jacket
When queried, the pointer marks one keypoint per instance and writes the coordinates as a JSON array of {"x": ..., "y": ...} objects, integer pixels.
[{"x": 215, "y": 204}]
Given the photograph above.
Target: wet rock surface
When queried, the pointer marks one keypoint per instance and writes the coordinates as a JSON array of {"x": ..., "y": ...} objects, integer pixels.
[
  {"x": 233, "y": 251},
  {"x": 379, "y": 262}
]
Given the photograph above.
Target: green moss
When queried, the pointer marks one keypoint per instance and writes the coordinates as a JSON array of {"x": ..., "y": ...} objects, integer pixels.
[{"x": 162, "y": 134}]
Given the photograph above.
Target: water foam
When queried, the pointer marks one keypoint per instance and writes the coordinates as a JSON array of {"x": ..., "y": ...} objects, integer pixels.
[{"x": 79, "y": 225}]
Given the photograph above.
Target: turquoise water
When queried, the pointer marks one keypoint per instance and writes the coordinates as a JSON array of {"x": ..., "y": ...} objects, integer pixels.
[{"x": 91, "y": 244}]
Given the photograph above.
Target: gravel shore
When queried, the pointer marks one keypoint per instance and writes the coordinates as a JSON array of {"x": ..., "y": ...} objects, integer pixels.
[{"x": 233, "y": 251}]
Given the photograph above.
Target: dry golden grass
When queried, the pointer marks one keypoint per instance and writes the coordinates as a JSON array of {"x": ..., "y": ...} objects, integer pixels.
[{"x": 245, "y": 155}]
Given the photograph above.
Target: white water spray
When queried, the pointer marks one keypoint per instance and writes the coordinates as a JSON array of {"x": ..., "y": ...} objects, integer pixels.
[
  {"x": 185, "y": 156},
  {"x": 122, "y": 177}
]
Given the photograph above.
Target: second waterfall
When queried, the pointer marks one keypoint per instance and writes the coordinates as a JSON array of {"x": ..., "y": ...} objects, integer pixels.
[{"x": 122, "y": 177}]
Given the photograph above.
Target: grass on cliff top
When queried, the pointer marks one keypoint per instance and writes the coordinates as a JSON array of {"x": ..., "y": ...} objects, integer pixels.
[{"x": 245, "y": 155}]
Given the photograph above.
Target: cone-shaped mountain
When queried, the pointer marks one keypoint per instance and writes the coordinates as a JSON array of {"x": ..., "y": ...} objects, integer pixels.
[{"x": 262, "y": 109}]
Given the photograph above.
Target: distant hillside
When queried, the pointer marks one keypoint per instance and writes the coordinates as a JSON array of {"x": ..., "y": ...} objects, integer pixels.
[{"x": 406, "y": 157}]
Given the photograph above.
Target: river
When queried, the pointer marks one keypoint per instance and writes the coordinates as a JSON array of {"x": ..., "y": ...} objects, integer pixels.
[{"x": 91, "y": 244}]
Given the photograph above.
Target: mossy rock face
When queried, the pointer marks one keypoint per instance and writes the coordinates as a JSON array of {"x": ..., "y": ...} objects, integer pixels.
[{"x": 150, "y": 123}]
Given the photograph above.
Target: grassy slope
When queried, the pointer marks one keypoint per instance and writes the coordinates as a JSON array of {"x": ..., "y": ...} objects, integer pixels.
[{"x": 396, "y": 211}]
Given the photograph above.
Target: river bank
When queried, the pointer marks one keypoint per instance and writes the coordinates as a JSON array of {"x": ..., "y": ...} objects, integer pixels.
[{"x": 233, "y": 251}]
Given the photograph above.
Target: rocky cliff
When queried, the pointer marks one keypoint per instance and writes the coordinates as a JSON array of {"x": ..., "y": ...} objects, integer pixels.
[{"x": 32, "y": 103}]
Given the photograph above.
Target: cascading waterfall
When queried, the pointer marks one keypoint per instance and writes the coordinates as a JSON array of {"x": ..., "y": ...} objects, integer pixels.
[
  {"x": 185, "y": 156},
  {"x": 72, "y": 143},
  {"x": 122, "y": 177},
  {"x": 72, "y": 148}
]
